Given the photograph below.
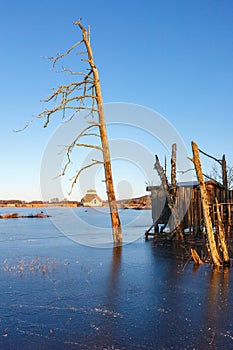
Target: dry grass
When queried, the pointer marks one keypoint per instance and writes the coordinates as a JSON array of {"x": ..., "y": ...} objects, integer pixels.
[{"x": 30, "y": 265}]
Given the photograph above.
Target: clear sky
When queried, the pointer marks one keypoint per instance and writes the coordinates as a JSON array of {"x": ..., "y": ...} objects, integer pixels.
[{"x": 174, "y": 57}]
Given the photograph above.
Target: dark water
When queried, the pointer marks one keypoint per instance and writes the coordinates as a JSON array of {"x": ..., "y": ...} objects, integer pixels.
[{"x": 58, "y": 294}]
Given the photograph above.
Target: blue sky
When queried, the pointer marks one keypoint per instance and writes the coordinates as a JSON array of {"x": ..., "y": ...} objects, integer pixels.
[{"x": 174, "y": 57}]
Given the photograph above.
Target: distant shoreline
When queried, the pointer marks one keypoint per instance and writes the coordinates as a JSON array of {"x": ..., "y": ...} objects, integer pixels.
[
  {"x": 39, "y": 205},
  {"x": 143, "y": 202}
]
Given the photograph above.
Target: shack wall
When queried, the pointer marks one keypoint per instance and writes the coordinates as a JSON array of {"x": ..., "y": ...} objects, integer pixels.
[{"x": 189, "y": 207}]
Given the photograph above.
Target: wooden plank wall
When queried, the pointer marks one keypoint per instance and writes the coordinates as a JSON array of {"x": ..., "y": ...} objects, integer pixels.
[{"x": 190, "y": 209}]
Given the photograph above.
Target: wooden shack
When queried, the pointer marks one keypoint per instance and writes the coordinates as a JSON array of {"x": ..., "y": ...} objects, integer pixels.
[{"x": 189, "y": 207}]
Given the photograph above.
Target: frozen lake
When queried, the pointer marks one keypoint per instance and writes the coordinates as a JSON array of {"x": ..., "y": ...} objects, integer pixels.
[{"x": 64, "y": 287}]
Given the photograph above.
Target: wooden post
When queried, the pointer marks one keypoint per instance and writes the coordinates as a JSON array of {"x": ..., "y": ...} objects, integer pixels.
[
  {"x": 173, "y": 172},
  {"x": 205, "y": 205},
  {"x": 170, "y": 199},
  {"x": 229, "y": 219},
  {"x": 225, "y": 185},
  {"x": 196, "y": 257},
  {"x": 222, "y": 238},
  {"x": 165, "y": 166},
  {"x": 224, "y": 172}
]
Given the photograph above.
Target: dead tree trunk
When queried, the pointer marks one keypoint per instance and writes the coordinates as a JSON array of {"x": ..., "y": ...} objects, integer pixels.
[
  {"x": 224, "y": 172},
  {"x": 222, "y": 238},
  {"x": 173, "y": 173},
  {"x": 170, "y": 198},
  {"x": 205, "y": 206},
  {"x": 85, "y": 95},
  {"x": 116, "y": 225}
]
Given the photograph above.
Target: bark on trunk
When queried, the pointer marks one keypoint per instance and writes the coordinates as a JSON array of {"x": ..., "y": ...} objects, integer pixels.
[{"x": 205, "y": 206}]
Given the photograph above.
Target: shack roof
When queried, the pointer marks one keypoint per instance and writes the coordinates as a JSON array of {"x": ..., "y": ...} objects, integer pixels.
[
  {"x": 189, "y": 184},
  {"x": 90, "y": 196}
]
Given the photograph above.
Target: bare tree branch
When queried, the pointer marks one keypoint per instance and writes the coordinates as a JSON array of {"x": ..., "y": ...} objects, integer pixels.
[
  {"x": 73, "y": 144},
  {"x": 67, "y": 89},
  {"x": 69, "y": 151},
  {"x": 80, "y": 171},
  {"x": 55, "y": 59},
  {"x": 89, "y": 146},
  {"x": 78, "y": 96},
  {"x": 208, "y": 155},
  {"x": 26, "y": 125},
  {"x": 93, "y": 123},
  {"x": 47, "y": 113},
  {"x": 77, "y": 73},
  {"x": 209, "y": 177},
  {"x": 185, "y": 171}
]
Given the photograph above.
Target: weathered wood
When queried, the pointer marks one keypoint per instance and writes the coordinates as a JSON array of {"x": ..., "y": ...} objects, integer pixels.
[
  {"x": 147, "y": 233},
  {"x": 229, "y": 222},
  {"x": 224, "y": 172},
  {"x": 173, "y": 173},
  {"x": 196, "y": 257},
  {"x": 116, "y": 225},
  {"x": 222, "y": 238},
  {"x": 205, "y": 205},
  {"x": 170, "y": 199},
  {"x": 197, "y": 213}
]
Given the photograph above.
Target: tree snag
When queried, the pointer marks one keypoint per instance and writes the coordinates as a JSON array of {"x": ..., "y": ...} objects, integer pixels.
[
  {"x": 116, "y": 225},
  {"x": 173, "y": 173},
  {"x": 70, "y": 100},
  {"x": 224, "y": 172},
  {"x": 171, "y": 197},
  {"x": 222, "y": 238},
  {"x": 205, "y": 205}
]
